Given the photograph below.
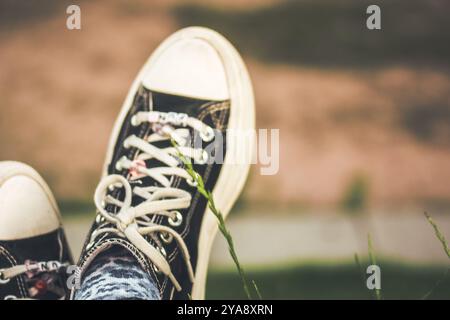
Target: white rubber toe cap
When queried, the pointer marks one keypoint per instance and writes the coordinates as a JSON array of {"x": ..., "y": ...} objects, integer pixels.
[
  {"x": 27, "y": 206},
  {"x": 189, "y": 67}
]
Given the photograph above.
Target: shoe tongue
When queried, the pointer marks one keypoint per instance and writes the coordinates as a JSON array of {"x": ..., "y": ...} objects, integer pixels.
[{"x": 116, "y": 248}]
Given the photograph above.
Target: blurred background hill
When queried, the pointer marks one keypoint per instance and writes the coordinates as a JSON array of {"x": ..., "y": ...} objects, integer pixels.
[{"x": 350, "y": 103}]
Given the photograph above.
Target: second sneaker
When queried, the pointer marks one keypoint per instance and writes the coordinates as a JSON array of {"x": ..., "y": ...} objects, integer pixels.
[
  {"x": 193, "y": 90},
  {"x": 34, "y": 253}
]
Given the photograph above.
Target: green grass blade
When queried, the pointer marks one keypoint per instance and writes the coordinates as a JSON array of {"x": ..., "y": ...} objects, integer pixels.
[
  {"x": 373, "y": 261},
  {"x": 221, "y": 222},
  {"x": 436, "y": 285},
  {"x": 439, "y": 234}
]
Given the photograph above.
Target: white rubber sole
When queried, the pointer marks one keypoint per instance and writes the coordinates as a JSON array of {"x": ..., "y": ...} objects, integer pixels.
[{"x": 242, "y": 117}]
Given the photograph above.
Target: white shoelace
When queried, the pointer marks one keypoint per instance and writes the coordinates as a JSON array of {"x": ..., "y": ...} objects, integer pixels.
[
  {"x": 46, "y": 266},
  {"x": 135, "y": 222},
  {"x": 7, "y": 274}
]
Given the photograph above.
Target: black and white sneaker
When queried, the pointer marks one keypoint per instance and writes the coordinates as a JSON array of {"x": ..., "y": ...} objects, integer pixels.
[
  {"x": 195, "y": 90},
  {"x": 33, "y": 250}
]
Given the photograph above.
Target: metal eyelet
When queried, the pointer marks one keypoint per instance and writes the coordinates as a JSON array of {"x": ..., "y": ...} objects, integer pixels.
[
  {"x": 2, "y": 279},
  {"x": 177, "y": 221},
  {"x": 166, "y": 237},
  {"x": 119, "y": 166},
  {"x": 204, "y": 158},
  {"x": 164, "y": 253},
  {"x": 99, "y": 219},
  {"x": 134, "y": 121},
  {"x": 192, "y": 182},
  {"x": 207, "y": 135},
  {"x": 126, "y": 144}
]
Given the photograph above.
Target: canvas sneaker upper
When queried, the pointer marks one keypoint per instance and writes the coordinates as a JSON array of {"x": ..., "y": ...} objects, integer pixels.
[
  {"x": 34, "y": 253},
  {"x": 148, "y": 203}
]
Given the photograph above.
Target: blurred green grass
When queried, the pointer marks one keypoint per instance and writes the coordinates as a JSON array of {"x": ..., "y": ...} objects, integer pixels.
[
  {"x": 312, "y": 279},
  {"x": 332, "y": 33},
  {"x": 331, "y": 281},
  {"x": 76, "y": 207}
]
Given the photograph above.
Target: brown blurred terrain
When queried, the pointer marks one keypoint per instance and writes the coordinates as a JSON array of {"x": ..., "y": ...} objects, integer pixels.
[
  {"x": 353, "y": 130},
  {"x": 364, "y": 119}
]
